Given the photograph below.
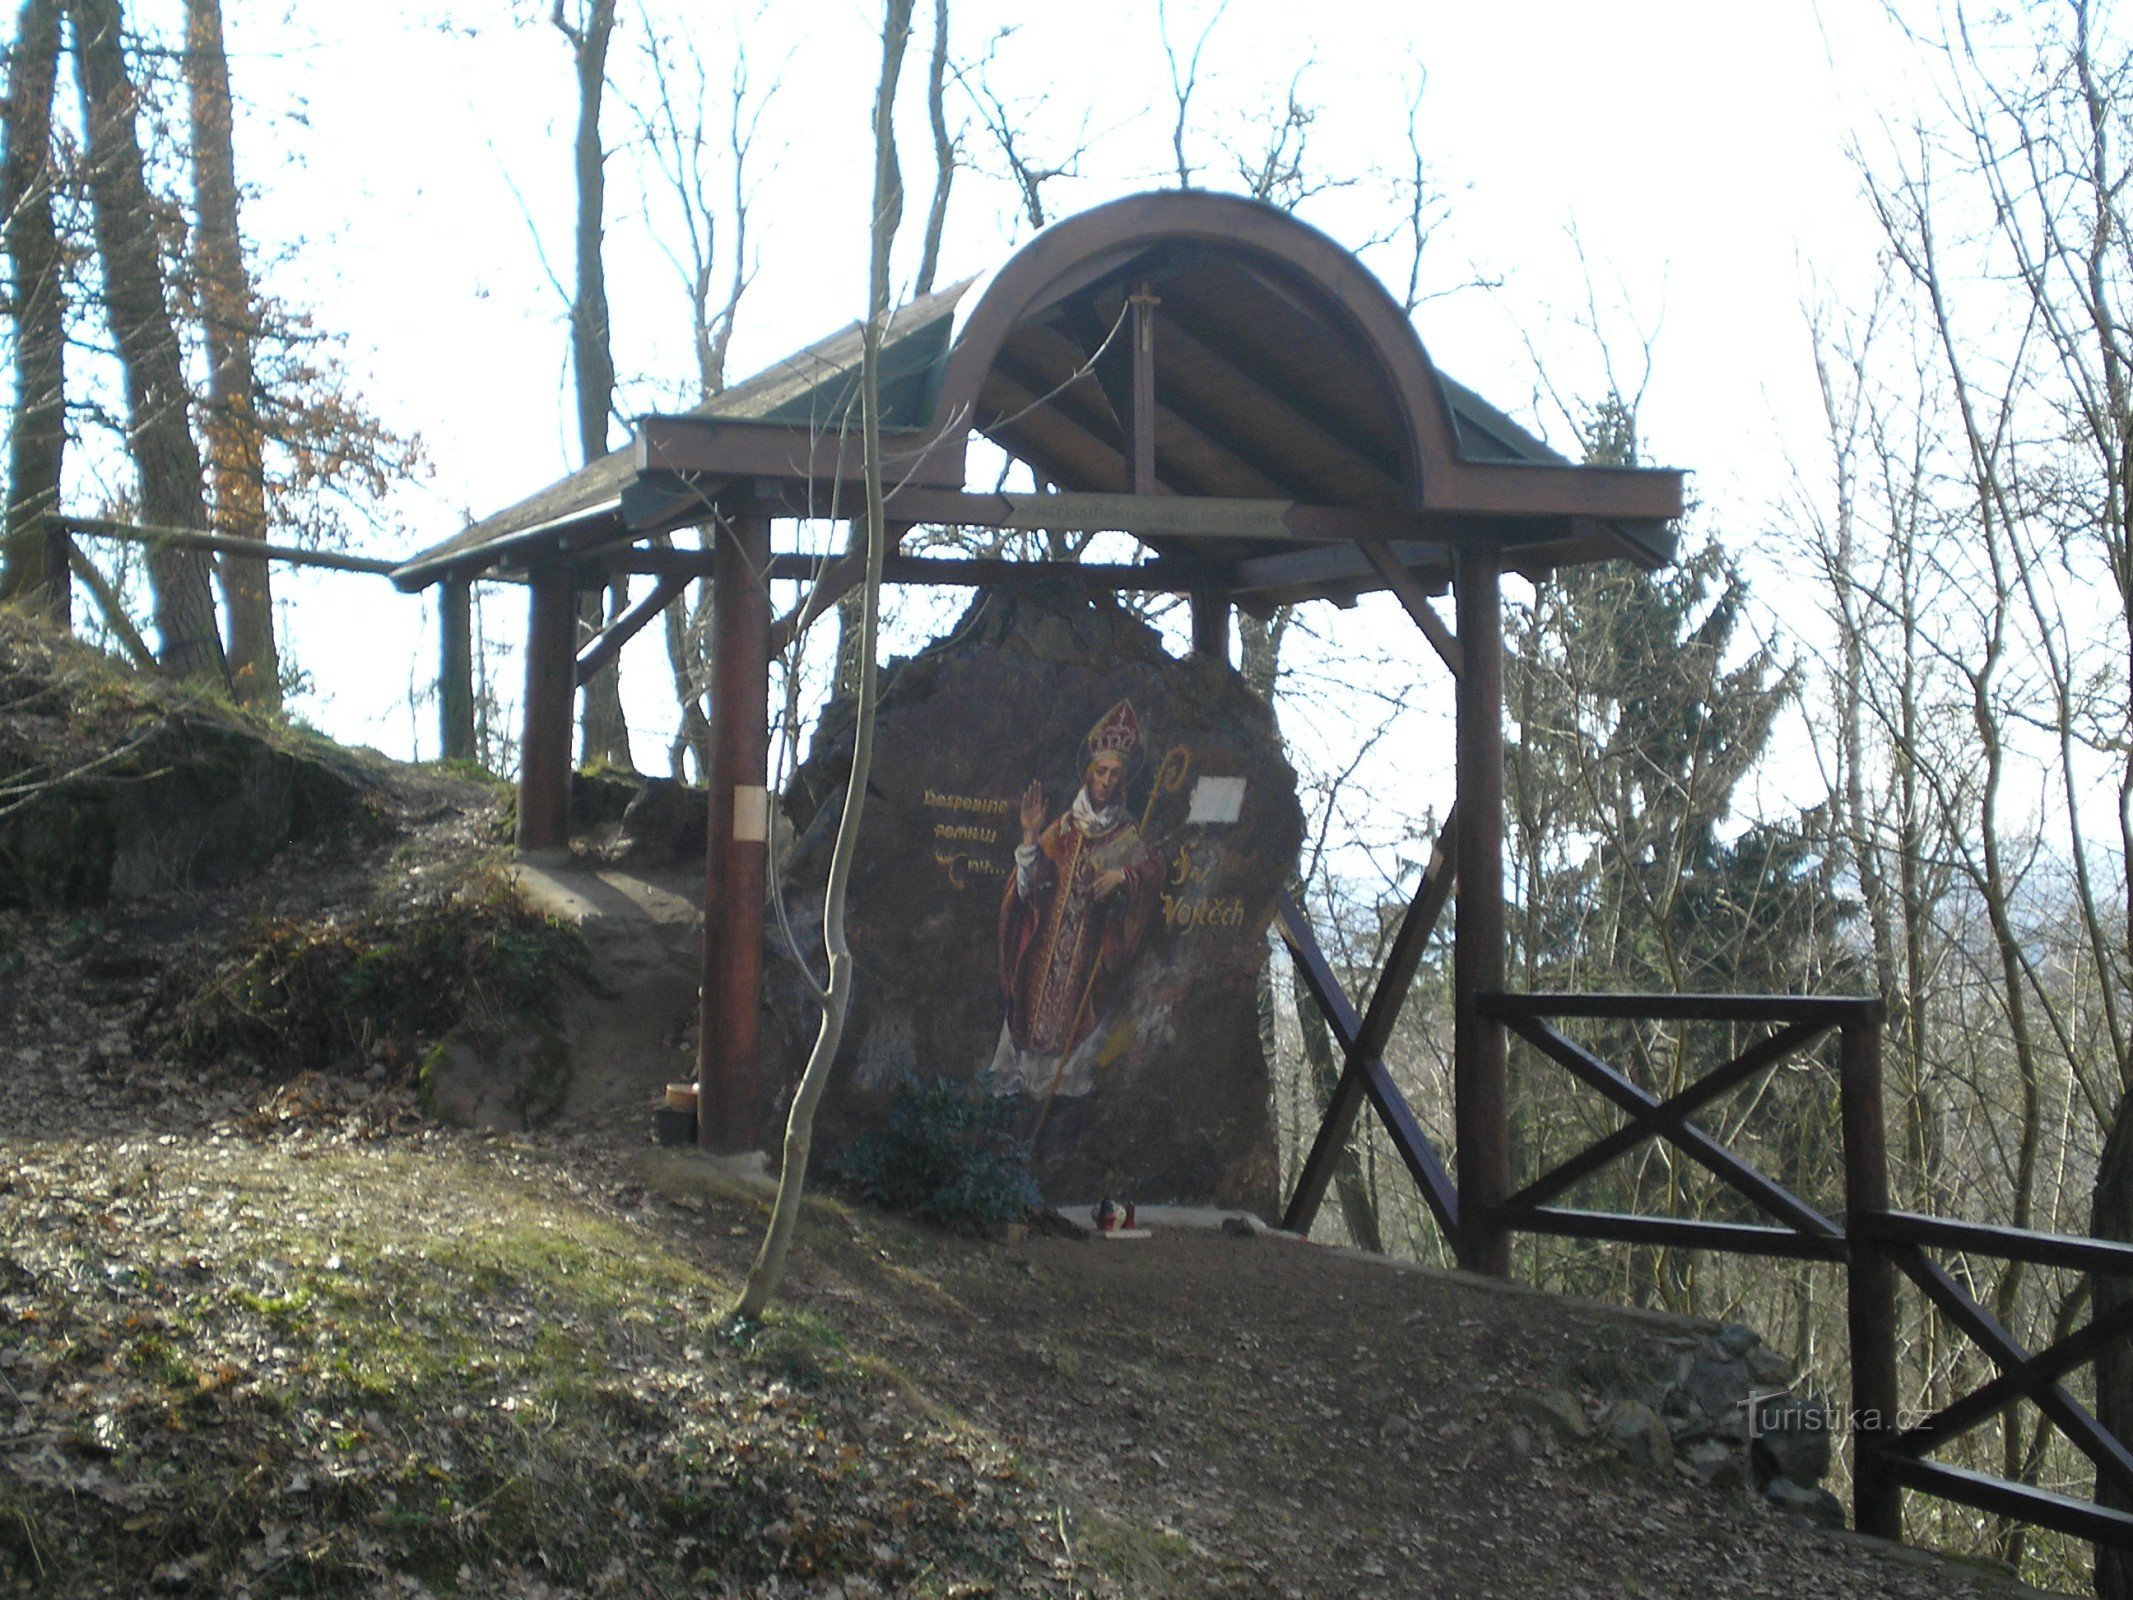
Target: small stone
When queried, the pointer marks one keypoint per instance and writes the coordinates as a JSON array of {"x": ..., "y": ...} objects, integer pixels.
[
  {"x": 1637, "y": 1431},
  {"x": 1769, "y": 1368},
  {"x": 1238, "y": 1228},
  {"x": 1715, "y": 1389},
  {"x": 1736, "y": 1339},
  {"x": 1716, "y": 1463},
  {"x": 1555, "y": 1410},
  {"x": 1792, "y": 1438},
  {"x": 1819, "y": 1506}
]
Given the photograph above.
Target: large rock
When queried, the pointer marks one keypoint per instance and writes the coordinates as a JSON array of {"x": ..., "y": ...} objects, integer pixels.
[
  {"x": 1792, "y": 1438},
  {"x": 1165, "y": 1021},
  {"x": 185, "y": 801}
]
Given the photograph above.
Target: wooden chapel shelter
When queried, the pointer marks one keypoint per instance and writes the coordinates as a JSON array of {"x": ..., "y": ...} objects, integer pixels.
[
  {"x": 1240, "y": 394},
  {"x": 1203, "y": 372}
]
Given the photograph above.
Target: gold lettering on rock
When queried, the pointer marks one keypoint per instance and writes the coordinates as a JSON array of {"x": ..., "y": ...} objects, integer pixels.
[
  {"x": 987, "y": 804},
  {"x": 1209, "y": 911},
  {"x": 961, "y": 867}
]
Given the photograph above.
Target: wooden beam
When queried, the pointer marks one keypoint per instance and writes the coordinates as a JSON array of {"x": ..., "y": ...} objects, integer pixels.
[
  {"x": 1082, "y": 447},
  {"x": 736, "y": 841},
  {"x": 1297, "y": 413},
  {"x": 1363, "y": 1043},
  {"x": 1480, "y": 1085},
  {"x": 2113, "y": 1460},
  {"x": 1988, "y": 1400},
  {"x": 1164, "y": 575},
  {"x": 1126, "y": 367},
  {"x": 1210, "y": 623},
  {"x": 1525, "y": 488},
  {"x": 1685, "y": 1136},
  {"x": 1276, "y": 413},
  {"x": 1831, "y": 1010},
  {"x": 1869, "y": 1279},
  {"x": 1415, "y": 600},
  {"x": 724, "y": 447},
  {"x": 1304, "y": 574},
  {"x": 2071, "y": 1251},
  {"x": 455, "y": 675},
  {"x": 222, "y": 544},
  {"x": 545, "y": 734},
  {"x": 1361, "y": 1077},
  {"x": 1687, "y": 1233},
  {"x": 1158, "y": 516},
  {"x": 827, "y": 583},
  {"x": 1672, "y": 1112},
  {"x": 608, "y": 643},
  {"x": 2021, "y": 1501},
  {"x": 1140, "y": 422}
]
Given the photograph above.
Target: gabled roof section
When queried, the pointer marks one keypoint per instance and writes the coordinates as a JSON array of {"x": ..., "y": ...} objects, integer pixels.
[
  {"x": 1281, "y": 374},
  {"x": 816, "y": 387}
]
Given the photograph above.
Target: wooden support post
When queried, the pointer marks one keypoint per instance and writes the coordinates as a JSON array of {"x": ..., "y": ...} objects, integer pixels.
[
  {"x": 1140, "y": 426},
  {"x": 1870, "y": 1284},
  {"x": 544, "y": 739},
  {"x": 1479, "y": 1075},
  {"x": 1210, "y": 624},
  {"x": 736, "y": 843},
  {"x": 455, "y": 674}
]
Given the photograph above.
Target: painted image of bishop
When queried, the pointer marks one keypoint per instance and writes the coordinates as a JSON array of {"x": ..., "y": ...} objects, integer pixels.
[{"x": 1074, "y": 911}]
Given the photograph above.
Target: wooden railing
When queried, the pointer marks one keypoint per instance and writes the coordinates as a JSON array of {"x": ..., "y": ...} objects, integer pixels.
[{"x": 1872, "y": 1240}]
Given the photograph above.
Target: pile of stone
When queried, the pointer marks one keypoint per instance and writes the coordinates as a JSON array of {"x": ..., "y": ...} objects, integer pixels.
[{"x": 1713, "y": 1404}]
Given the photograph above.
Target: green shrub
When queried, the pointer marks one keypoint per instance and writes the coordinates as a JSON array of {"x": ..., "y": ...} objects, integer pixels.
[{"x": 948, "y": 1155}]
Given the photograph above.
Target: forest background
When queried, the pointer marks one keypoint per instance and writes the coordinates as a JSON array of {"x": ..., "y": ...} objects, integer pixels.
[{"x": 1864, "y": 271}]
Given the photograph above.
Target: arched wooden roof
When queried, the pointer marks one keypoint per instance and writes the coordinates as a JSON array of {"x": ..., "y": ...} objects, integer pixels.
[{"x": 1294, "y": 412}]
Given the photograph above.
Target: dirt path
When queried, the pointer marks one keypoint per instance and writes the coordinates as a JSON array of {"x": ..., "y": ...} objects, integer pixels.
[{"x": 1299, "y": 1421}]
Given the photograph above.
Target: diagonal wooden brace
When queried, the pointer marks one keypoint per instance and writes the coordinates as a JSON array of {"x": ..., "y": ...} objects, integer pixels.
[
  {"x": 1363, "y": 1039},
  {"x": 1988, "y": 1400},
  {"x": 1758, "y": 1057},
  {"x": 1685, "y": 1135},
  {"x": 1983, "y": 1329}
]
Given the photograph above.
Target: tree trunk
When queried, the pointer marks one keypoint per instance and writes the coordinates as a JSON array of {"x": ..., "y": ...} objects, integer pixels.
[
  {"x": 33, "y": 561},
  {"x": 929, "y": 259},
  {"x": 592, "y": 360},
  {"x": 157, "y": 399},
  {"x": 769, "y": 1268},
  {"x": 235, "y": 443}
]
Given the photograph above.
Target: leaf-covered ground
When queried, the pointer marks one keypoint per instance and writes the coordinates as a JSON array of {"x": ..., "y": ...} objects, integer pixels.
[
  {"x": 316, "y": 1362},
  {"x": 264, "y": 1331}
]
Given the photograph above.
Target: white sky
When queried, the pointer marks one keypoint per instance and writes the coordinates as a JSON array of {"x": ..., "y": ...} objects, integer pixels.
[{"x": 1697, "y": 150}]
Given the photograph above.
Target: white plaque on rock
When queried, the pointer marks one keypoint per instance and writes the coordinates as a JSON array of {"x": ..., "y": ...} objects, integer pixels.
[{"x": 1217, "y": 800}]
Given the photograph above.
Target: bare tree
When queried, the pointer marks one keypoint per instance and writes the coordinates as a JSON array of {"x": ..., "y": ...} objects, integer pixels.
[
  {"x": 887, "y": 214},
  {"x": 1006, "y": 120},
  {"x": 33, "y": 564},
  {"x": 1184, "y": 79},
  {"x": 235, "y": 442},
  {"x": 158, "y": 399},
  {"x": 945, "y": 150},
  {"x": 676, "y": 128},
  {"x": 589, "y": 28}
]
